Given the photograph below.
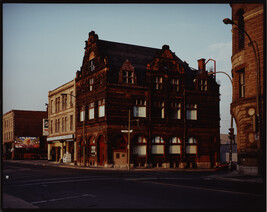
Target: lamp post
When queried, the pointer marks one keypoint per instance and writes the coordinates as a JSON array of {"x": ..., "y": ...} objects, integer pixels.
[
  {"x": 231, "y": 129},
  {"x": 257, "y": 63},
  {"x": 84, "y": 141}
]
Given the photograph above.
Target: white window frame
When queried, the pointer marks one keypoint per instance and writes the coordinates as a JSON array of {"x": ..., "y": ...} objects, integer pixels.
[
  {"x": 128, "y": 77},
  {"x": 203, "y": 85},
  {"x": 158, "y": 83},
  {"x": 175, "y": 84},
  {"x": 139, "y": 109},
  {"x": 91, "y": 84},
  {"x": 101, "y": 108},
  {"x": 82, "y": 115},
  {"x": 191, "y": 111},
  {"x": 91, "y": 111},
  {"x": 176, "y": 110}
]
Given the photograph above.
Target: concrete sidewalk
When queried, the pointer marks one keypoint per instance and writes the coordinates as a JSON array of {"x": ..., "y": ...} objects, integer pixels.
[
  {"x": 68, "y": 165},
  {"x": 11, "y": 202}
]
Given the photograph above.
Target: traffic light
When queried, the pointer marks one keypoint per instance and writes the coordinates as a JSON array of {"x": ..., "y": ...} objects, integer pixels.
[{"x": 231, "y": 134}]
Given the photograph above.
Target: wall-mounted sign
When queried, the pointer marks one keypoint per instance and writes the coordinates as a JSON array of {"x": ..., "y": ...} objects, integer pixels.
[
  {"x": 27, "y": 142},
  {"x": 45, "y": 127},
  {"x": 60, "y": 137}
]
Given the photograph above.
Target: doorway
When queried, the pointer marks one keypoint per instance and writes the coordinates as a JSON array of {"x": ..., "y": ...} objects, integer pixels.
[{"x": 101, "y": 151}]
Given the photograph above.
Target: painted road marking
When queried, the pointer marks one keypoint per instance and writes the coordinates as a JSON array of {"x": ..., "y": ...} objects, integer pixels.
[
  {"x": 59, "y": 181},
  {"x": 63, "y": 198},
  {"x": 201, "y": 188}
]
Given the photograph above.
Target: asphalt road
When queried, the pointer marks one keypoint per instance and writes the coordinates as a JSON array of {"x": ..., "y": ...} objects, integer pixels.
[{"x": 62, "y": 188}]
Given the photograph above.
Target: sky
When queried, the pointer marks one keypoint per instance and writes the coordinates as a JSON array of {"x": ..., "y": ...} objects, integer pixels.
[{"x": 43, "y": 44}]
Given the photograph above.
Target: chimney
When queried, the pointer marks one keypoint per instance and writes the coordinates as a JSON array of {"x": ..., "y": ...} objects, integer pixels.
[{"x": 201, "y": 64}]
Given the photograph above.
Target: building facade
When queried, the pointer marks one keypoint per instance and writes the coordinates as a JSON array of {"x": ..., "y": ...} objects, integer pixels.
[
  {"x": 248, "y": 72},
  {"x": 23, "y": 135},
  {"x": 225, "y": 149},
  {"x": 61, "y": 118},
  {"x": 146, "y": 99}
]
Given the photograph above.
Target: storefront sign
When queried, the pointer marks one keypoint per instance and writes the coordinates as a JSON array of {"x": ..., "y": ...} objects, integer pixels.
[
  {"x": 63, "y": 137},
  {"x": 27, "y": 142},
  {"x": 45, "y": 127}
]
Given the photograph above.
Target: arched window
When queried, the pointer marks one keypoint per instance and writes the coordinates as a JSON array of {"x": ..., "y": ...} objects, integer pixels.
[
  {"x": 157, "y": 145},
  {"x": 191, "y": 140},
  {"x": 139, "y": 148},
  {"x": 91, "y": 64},
  {"x": 175, "y": 145},
  {"x": 175, "y": 140},
  {"x": 191, "y": 147}
]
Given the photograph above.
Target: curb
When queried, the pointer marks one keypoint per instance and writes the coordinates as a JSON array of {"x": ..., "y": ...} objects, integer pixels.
[{"x": 62, "y": 165}]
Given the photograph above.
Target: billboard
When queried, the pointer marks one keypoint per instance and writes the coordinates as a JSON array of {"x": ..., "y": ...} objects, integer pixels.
[{"x": 27, "y": 142}]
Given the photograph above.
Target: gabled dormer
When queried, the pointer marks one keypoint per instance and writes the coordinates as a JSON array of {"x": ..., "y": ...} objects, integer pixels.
[
  {"x": 127, "y": 74},
  {"x": 166, "y": 60}
]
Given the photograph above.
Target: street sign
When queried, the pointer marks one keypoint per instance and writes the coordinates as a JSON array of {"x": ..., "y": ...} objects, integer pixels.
[{"x": 126, "y": 131}]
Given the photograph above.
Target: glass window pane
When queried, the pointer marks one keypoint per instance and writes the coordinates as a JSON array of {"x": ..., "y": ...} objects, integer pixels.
[
  {"x": 157, "y": 149},
  {"x": 175, "y": 149}
]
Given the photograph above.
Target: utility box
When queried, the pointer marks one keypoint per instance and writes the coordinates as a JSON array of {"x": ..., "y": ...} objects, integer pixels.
[{"x": 120, "y": 158}]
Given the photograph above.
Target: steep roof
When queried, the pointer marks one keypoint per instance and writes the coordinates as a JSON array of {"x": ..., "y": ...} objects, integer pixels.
[{"x": 117, "y": 53}]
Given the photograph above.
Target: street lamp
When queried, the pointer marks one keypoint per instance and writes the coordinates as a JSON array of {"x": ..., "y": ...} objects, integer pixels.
[
  {"x": 84, "y": 141},
  {"x": 257, "y": 62},
  {"x": 231, "y": 129}
]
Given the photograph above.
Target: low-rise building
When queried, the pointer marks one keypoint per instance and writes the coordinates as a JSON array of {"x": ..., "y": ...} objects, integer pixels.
[
  {"x": 61, "y": 118},
  {"x": 23, "y": 135},
  {"x": 174, "y": 109}
]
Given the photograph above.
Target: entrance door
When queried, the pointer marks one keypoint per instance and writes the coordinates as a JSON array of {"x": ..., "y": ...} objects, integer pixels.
[{"x": 101, "y": 150}]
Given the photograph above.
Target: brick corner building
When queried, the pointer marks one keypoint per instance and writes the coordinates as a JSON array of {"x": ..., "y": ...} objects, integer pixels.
[
  {"x": 248, "y": 71},
  {"x": 147, "y": 99}
]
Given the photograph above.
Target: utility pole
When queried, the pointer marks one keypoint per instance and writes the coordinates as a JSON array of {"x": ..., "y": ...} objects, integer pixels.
[{"x": 129, "y": 141}]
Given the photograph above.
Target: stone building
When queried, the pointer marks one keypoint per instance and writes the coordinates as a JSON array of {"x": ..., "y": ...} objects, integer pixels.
[
  {"x": 23, "y": 135},
  {"x": 225, "y": 149},
  {"x": 61, "y": 118},
  {"x": 146, "y": 99},
  {"x": 249, "y": 85}
]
